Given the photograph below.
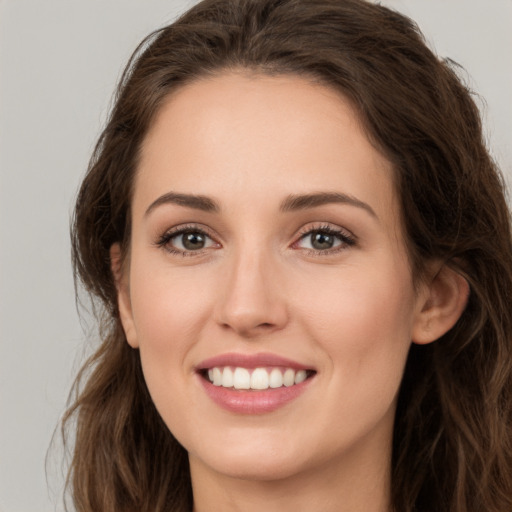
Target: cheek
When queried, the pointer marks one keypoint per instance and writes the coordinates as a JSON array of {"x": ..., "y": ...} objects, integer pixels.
[
  {"x": 363, "y": 321},
  {"x": 379, "y": 289},
  {"x": 364, "y": 327},
  {"x": 168, "y": 311},
  {"x": 168, "y": 308}
]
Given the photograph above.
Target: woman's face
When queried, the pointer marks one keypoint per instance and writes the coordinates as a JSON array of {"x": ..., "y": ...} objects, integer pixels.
[{"x": 267, "y": 249}]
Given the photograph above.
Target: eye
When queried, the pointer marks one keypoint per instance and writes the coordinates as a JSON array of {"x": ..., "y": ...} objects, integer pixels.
[
  {"x": 186, "y": 240},
  {"x": 325, "y": 239},
  {"x": 190, "y": 241}
]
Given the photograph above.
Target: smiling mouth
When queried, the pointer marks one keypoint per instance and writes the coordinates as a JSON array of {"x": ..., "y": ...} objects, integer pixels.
[{"x": 256, "y": 379}]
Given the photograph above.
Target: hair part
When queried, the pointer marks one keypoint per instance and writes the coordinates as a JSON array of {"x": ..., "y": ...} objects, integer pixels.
[{"x": 452, "y": 447}]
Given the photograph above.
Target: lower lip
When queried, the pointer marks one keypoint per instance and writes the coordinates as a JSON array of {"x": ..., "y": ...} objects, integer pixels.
[{"x": 250, "y": 401}]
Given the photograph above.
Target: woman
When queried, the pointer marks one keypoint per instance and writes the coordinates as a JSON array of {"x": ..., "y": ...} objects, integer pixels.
[{"x": 303, "y": 253}]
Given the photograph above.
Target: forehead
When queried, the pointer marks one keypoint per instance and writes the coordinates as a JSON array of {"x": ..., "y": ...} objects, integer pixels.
[{"x": 237, "y": 133}]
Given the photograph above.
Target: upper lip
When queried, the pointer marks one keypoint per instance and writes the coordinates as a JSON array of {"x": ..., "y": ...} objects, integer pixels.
[{"x": 250, "y": 361}]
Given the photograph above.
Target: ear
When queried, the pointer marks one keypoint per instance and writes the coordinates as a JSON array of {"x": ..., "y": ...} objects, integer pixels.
[
  {"x": 123, "y": 295},
  {"x": 445, "y": 299}
]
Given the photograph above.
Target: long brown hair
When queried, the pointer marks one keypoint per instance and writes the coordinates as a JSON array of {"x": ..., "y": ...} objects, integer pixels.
[{"x": 452, "y": 446}]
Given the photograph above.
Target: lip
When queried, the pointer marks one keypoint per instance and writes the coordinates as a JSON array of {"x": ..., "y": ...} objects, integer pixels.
[
  {"x": 252, "y": 401},
  {"x": 251, "y": 361}
]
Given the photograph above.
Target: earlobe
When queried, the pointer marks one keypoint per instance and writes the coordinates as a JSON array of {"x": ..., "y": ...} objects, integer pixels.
[
  {"x": 123, "y": 295},
  {"x": 446, "y": 299}
]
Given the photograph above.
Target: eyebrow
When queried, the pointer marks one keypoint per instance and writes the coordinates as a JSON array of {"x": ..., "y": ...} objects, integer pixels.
[
  {"x": 197, "y": 202},
  {"x": 291, "y": 203},
  {"x": 303, "y": 202}
]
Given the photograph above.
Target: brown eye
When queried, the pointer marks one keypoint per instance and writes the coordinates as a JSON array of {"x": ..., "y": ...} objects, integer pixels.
[
  {"x": 322, "y": 241},
  {"x": 186, "y": 241},
  {"x": 192, "y": 240},
  {"x": 327, "y": 240}
]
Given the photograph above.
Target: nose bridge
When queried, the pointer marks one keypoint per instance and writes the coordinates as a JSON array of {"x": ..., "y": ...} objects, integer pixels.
[{"x": 252, "y": 300}]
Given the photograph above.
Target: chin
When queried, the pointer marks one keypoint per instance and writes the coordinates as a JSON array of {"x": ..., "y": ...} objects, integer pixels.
[
  {"x": 254, "y": 468},
  {"x": 263, "y": 461}
]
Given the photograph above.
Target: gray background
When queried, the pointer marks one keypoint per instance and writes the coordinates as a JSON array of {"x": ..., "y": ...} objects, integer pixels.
[{"x": 59, "y": 62}]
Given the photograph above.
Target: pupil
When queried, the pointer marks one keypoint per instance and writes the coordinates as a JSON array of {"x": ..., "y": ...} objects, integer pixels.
[
  {"x": 193, "y": 241},
  {"x": 322, "y": 240}
]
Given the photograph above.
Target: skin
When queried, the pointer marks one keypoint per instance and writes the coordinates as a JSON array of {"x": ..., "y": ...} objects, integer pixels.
[{"x": 248, "y": 143}]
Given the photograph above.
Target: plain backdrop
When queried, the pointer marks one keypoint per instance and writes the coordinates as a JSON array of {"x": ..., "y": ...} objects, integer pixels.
[{"x": 59, "y": 62}]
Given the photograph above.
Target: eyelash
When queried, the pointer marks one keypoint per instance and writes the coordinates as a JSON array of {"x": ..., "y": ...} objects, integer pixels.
[{"x": 346, "y": 238}]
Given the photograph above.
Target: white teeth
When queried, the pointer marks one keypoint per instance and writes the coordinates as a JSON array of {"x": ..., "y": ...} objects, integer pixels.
[
  {"x": 258, "y": 379},
  {"x": 276, "y": 378},
  {"x": 300, "y": 376},
  {"x": 289, "y": 378},
  {"x": 227, "y": 378},
  {"x": 217, "y": 377},
  {"x": 241, "y": 379}
]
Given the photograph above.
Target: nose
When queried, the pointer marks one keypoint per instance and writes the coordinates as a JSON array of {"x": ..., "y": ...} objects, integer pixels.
[{"x": 253, "y": 300}]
